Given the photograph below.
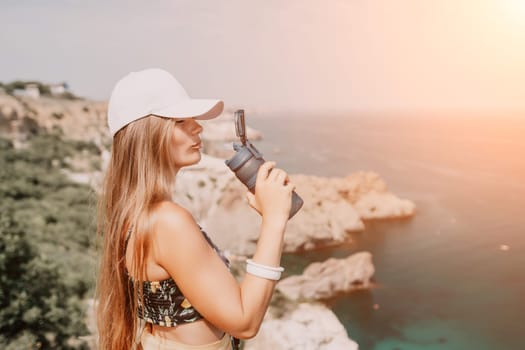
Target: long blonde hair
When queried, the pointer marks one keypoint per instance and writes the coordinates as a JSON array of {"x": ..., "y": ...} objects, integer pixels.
[{"x": 140, "y": 174}]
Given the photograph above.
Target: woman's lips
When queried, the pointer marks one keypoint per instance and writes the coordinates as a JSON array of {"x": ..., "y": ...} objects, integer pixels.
[{"x": 197, "y": 145}]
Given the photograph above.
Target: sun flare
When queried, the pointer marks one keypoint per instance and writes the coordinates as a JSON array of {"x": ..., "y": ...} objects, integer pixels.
[{"x": 515, "y": 9}]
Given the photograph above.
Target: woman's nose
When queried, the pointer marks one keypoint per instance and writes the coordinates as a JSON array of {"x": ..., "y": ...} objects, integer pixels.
[{"x": 196, "y": 127}]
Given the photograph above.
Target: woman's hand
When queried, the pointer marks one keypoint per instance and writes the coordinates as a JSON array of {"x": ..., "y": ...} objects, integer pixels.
[{"x": 273, "y": 193}]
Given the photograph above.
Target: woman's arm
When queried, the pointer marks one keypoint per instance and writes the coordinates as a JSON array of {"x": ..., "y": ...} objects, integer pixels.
[{"x": 181, "y": 249}]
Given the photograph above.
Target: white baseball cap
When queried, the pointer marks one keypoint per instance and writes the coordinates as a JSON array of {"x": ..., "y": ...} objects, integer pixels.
[{"x": 154, "y": 91}]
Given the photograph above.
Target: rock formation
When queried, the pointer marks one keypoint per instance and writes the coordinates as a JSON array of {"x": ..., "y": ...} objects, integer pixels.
[
  {"x": 383, "y": 205},
  {"x": 333, "y": 207},
  {"x": 306, "y": 327},
  {"x": 78, "y": 119},
  {"x": 324, "y": 280}
]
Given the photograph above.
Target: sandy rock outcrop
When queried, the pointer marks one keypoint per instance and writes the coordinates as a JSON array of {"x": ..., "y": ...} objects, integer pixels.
[
  {"x": 236, "y": 225},
  {"x": 217, "y": 199},
  {"x": 335, "y": 207},
  {"x": 79, "y": 119},
  {"x": 325, "y": 218},
  {"x": 383, "y": 205},
  {"x": 200, "y": 187},
  {"x": 324, "y": 280},
  {"x": 307, "y": 327},
  {"x": 212, "y": 193}
]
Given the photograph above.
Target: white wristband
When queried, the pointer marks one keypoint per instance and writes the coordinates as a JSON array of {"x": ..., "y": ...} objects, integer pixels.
[
  {"x": 273, "y": 268},
  {"x": 263, "y": 271}
]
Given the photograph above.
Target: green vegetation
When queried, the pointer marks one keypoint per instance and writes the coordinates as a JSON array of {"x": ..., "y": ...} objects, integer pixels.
[{"x": 47, "y": 246}]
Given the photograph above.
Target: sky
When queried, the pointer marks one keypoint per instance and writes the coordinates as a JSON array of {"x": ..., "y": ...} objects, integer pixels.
[{"x": 330, "y": 56}]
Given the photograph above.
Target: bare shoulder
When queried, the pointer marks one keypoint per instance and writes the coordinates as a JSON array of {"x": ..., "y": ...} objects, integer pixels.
[
  {"x": 170, "y": 215},
  {"x": 173, "y": 222},
  {"x": 177, "y": 238}
]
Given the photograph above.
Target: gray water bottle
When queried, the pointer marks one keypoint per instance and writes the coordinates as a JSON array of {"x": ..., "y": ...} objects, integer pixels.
[{"x": 247, "y": 159}]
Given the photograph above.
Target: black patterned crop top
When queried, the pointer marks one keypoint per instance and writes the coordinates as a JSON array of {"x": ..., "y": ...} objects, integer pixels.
[{"x": 163, "y": 303}]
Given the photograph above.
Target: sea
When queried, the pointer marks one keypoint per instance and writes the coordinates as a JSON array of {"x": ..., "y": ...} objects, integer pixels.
[{"x": 452, "y": 276}]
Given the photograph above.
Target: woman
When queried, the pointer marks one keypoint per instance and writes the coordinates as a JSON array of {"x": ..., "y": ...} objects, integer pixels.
[{"x": 158, "y": 268}]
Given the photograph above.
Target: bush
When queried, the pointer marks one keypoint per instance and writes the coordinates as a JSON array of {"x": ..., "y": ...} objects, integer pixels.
[{"x": 47, "y": 255}]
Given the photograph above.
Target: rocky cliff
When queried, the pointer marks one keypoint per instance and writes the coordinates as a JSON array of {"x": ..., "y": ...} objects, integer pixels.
[
  {"x": 333, "y": 207},
  {"x": 328, "y": 279},
  {"x": 308, "y": 326},
  {"x": 78, "y": 119}
]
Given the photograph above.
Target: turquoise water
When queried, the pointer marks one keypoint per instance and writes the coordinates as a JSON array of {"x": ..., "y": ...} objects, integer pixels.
[{"x": 453, "y": 276}]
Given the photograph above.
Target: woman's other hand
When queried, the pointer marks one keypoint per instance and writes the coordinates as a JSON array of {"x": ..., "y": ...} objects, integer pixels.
[{"x": 273, "y": 193}]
